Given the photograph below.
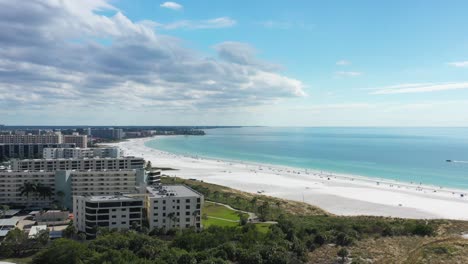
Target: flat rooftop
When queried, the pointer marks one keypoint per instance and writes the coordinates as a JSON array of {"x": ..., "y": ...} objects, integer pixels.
[
  {"x": 8, "y": 222},
  {"x": 172, "y": 190},
  {"x": 105, "y": 198}
]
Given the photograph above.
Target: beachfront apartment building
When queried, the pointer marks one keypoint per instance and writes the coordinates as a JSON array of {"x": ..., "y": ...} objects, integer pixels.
[
  {"x": 81, "y": 141},
  {"x": 28, "y": 150},
  {"x": 173, "y": 206},
  {"x": 108, "y": 133},
  {"x": 64, "y": 184},
  {"x": 49, "y": 138},
  {"x": 114, "y": 212},
  {"x": 80, "y": 153},
  {"x": 166, "y": 206},
  {"x": 77, "y": 164}
]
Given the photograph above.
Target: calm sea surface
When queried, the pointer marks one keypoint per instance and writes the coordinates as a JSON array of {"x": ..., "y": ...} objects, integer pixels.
[{"x": 404, "y": 154}]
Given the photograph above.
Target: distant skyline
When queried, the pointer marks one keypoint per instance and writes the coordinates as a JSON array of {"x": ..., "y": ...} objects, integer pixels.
[{"x": 272, "y": 63}]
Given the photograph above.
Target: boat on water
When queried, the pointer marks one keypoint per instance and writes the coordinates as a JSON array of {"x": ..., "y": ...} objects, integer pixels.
[{"x": 448, "y": 160}]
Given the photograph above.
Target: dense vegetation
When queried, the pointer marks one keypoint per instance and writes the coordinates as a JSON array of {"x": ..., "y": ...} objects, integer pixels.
[{"x": 303, "y": 234}]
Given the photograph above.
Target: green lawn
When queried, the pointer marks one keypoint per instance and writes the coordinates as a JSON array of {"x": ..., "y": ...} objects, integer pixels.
[
  {"x": 215, "y": 210},
  {"x": 221, "y": 212}
]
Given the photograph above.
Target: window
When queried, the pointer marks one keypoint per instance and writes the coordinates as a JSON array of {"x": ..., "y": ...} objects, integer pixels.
[
  {"x": 187, "y": 200},
  {"x": 187, "y": 213},
  {"x": 124, "y": 223},
  {"x": 187, "y": 207},
  {"x": 187, "y": 219}
]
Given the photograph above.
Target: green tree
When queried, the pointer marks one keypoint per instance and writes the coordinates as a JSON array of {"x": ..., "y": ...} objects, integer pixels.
[
  {"x": 64, "y": 251},
  {"x": 5, "y": 209},
  {"x": 27, "y": 190},
  {"x": 343, "y": 254},
  {"x": 16, "y": 243},
  {"x": 44, "y": 191},
  {"x": 70, "y": 231}
]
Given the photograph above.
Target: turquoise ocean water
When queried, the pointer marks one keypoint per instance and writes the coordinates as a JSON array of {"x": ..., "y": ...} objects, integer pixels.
[{"x": 403, "y": 154}]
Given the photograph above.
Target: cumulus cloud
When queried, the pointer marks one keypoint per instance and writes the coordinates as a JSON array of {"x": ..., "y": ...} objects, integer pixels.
[
  {"x": 67, "y": 53},
  {"x": 172, "y": 5},
  {"x": 459, "y": 64}
]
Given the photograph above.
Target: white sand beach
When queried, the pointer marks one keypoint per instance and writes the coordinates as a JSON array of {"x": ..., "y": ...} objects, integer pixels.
[{"x": 337, "y": 193}]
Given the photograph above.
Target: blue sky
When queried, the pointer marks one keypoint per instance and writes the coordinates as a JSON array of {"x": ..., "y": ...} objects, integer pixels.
[{"x": 282, "y": 63}]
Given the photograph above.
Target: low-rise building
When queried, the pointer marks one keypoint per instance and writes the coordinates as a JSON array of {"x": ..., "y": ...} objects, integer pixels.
[{"x": 113, "y": 212}]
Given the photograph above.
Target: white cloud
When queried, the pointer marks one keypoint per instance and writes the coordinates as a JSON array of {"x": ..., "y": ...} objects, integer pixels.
[
  {"x": 343, "y": 63},
  {"x": 51, "y": 57},
  {"x": 172, "y": 5},
  {"x": 220, "y": 22},
  {"x": 419, "y": 88},
  {"x": 348, "y": 73},
  {"x": 459, "y": 64}
]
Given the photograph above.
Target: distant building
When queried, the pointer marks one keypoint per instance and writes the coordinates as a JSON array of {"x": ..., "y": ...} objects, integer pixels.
[
  {"x": 81, "y": 141},
  {"x": 108, "y": 133},
  {"x": 118, "y": 211},
  {"x": 28, "y": 151},
  {"x": 35, "y": 230},
  {"x": 49, "y": 138},
  {"x": 79, "y": 153}
]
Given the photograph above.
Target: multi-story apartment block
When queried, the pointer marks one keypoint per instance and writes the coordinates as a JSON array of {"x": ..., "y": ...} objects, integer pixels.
[
  {"x": 79, "y": 153},
  {"x": 64, "y": 184},
  {"x": 28, "y": 151},
  {"x": 107, "y": 133},
  {"x": 81, "y": 141},
  {"x": 118, "y": 211},
  {"x": 78, "y": 164},
  {"x": 173, "y": 206},
  {"x": 50, "y": 138}
]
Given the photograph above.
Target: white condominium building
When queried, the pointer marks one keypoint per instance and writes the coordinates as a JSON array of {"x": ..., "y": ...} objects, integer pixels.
[
  {"x": 78, "y": 164},
  {"x": 32, "y": 139},
  {"x": 118, "y": 211},
  {"x": 79, "y": 153},
  {"x": 64, "y": 184},
  {"x": 173, "y": 206},
  {"x": 81, "y": 141}
]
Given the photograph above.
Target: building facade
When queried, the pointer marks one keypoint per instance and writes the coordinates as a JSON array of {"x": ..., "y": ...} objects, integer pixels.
[
  {"x": 28, "y": 151},
  {"x": 81, "y": 141},
  {"x": 50, "y": 138},
  {"x": 108, "y": 133},
  {"x": 64, "y": 184},
  {"x": 80, "y": 153},
  {"x": 77, "y": 164},
  {"x": 114, "y": 212},
  {"x": 173, "y": 206}
]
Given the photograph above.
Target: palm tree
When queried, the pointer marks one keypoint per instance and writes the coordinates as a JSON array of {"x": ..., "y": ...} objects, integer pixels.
[
  {"x": 27, "y": 189},
  {"x": 44, "y": 191}
]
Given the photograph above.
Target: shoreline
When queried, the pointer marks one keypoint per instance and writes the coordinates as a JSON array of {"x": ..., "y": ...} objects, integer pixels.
[{"x": 338, "y": 193}]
